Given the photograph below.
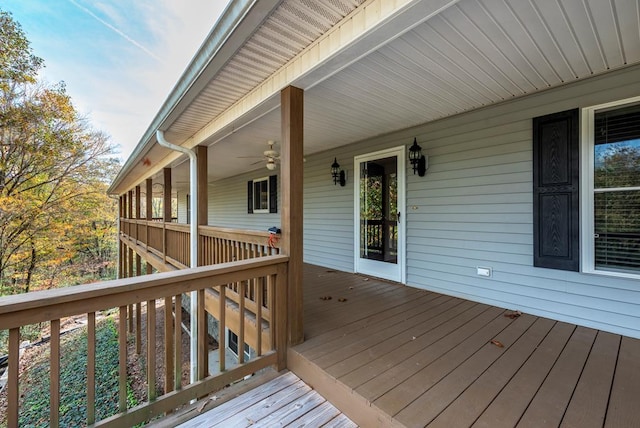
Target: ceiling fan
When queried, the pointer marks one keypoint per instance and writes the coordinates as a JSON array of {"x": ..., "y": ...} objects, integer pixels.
[{"x": 269, "y": 156}]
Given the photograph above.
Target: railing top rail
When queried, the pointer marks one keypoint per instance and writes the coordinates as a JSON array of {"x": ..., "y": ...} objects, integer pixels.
[
  {"x": 217, "y": 229},
  {"x": 243, "y": 235},
  {"x": 177, "y": 227},
  {"x": 39, "y": 306}
]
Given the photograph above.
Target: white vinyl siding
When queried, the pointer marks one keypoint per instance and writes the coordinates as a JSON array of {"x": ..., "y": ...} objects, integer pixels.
[
  {"x": 182, "y": 207},
  {"x": 228, "y": 204}
]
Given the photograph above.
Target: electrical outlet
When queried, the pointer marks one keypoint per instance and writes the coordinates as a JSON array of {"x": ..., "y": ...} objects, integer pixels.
[{"x": 484, "y": 271}]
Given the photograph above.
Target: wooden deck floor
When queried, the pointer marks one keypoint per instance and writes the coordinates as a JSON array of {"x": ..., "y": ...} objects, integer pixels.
[
  {"x": 387, "y": 355},
  {"x": 285, "y": 401}
]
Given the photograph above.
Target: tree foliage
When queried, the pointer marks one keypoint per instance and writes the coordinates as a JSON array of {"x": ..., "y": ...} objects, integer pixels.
[{"x": 53, "y": 174}]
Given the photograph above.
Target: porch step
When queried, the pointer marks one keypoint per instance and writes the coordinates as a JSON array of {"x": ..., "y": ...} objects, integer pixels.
[
  {"x": 221, "y": 397},
  {"x": 344, "y": 398}
]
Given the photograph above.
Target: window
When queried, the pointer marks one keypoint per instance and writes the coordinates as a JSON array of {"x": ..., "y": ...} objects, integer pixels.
[
  {"x": 232, "y": 340},
  {"x": 611, "y": 188},
  {"x": 262, "y": 195}
]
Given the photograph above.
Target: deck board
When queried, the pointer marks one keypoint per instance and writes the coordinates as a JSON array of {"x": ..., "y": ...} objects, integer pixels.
[
  {"x": 261, "y": 409},
  {"x": 439, "y": 357},
  {"x": 385, "y": 340},
  {"x": 625, "y": 392},
  {"x": 392, "y": 356},
  {"x": 317, "y": 416},
  {"x": 588, "y": 404},
  {"x": 548, "y": 406},
  {"x": 416, "y": 353},
  {"x": 417, "y": 307},
  {"x": 508, "y": 359},
  {"x": 283, "y": 401},
  {"x": 514, "y": 384}
]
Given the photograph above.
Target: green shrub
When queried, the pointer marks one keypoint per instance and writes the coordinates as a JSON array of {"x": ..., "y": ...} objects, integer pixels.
[{"x": 34, "y": 408}]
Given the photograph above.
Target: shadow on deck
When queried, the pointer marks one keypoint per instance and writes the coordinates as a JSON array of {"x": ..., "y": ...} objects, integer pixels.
[{"x": 387, "y": 354}]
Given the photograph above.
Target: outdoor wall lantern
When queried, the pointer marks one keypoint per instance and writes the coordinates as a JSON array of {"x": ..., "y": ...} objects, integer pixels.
[
  {"x": 338, "y": 175},
  {"x": 417, "y": 159}
]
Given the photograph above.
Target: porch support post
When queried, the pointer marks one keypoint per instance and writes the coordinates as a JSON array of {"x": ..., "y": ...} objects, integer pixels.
[
  {"x": 149, "y": 212},
  {"x": 130, "y": 205},
  {"x": 291, "y": 172},
  {"x": 203, "y": 197},
  {"x": 149, "y": 199},
  {"x": 129, "y": 249},
  {"x": 166, "y": 209},
  {"x": 120, "y": 211},
  {"x": 166, "y": 206},
  {"x": 125, "y": 209},
  {"x": 136, "y": 235},
  {"x": 138, "y": 202}
]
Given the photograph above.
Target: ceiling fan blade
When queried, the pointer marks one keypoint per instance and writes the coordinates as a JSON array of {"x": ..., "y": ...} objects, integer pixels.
[
  {"x": 256, "y": 163},
  {"x": 249, "y": 157}
]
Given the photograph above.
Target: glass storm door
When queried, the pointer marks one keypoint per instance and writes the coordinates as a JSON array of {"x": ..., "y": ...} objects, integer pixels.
[{"x": 379, "y": 198}]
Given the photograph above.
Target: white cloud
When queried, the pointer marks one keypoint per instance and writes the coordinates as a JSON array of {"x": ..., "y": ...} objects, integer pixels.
[{"x": 120, "y": 59}]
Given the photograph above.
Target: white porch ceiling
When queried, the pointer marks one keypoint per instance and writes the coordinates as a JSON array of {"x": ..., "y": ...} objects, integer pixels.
[
  {"x": 474, "y": 53},
  {"x": 293, "y": 26}
]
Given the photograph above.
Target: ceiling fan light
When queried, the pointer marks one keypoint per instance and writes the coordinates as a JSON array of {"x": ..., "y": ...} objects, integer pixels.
[{"x": 271, "y": 165}]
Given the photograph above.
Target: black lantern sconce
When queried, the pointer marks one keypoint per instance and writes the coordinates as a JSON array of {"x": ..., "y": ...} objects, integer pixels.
[
  {"x": 417, "y": 159},
  {"x": 338, "y": 175}
]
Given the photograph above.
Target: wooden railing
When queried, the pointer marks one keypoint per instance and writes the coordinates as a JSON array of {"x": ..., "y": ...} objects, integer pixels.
[
  {"x": 235, "y": 278},
  {"x": 221, "y": 245},
  {"x": 170, "y": 242}
]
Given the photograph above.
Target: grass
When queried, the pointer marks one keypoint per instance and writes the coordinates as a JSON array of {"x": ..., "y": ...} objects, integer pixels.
[{"x": 73, "y": 380}]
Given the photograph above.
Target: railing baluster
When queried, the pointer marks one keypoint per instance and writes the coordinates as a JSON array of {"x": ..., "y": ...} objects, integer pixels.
[
  {"x": 203, "y": 348},
  {"x": 168, "y": 346},
  {"x": 138, "y": 328},
  {"x": 271, "y": 285},
  {"x": 178, "y": 343},
  {"x": 130, "y": 318},
  {"x": 259, "y": 316},
  {"x": 12, "y": 382},
  {"x": 54, "y": 375},
  {"x": 222, "y": 342},
  {"x": 122, "y": 339},
  {"x": 279, "y": 315},
  {"x": 242, "y": 322},
  {"x": 91, "y": 368},
  {"x": 151, "y": 349}
]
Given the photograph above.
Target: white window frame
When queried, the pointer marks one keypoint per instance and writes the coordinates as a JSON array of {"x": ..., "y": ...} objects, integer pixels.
[
  {"x": 587, "y": 157},
  {"x": 253, "y": 200}
]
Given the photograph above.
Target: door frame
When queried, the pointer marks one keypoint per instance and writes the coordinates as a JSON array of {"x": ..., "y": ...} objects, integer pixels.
[{"x": 400, "y": 153}]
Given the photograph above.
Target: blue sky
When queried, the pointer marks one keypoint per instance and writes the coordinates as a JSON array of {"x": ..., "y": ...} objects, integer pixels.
[{"x": 118, "y": 58}]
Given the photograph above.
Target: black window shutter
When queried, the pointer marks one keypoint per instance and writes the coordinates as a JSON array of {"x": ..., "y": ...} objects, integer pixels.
[
  {"x": 250, "y": 197},
  {"x": 273, "y": 193},
  {"x": 556, "y": 214}
]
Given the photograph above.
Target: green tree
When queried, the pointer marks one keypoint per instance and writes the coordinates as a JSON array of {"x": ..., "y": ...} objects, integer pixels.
[{"x": 52, "y": 166}]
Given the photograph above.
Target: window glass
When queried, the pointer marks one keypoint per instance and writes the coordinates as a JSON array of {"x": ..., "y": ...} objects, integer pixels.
[
  {"x": 261, "y": 195},
  {"x": 616, "y": 196}
]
